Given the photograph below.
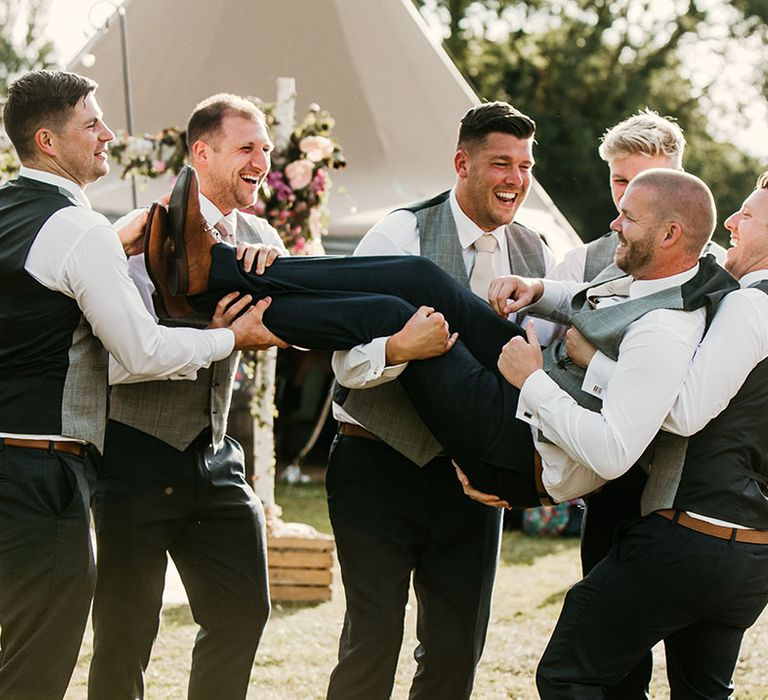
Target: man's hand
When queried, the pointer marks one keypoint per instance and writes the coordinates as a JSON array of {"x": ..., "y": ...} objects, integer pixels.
[
  {"x": 132, "y": 234},
  {"x": 425, "y": 335},
  {"x": 228, "y": 309},
  {"x": 579, "y": 349},
  {"x": 486, "y": 499},
  {"x": 521, "y": 290},
  {"x": 249, "y": 329},
  {"x": 260, "y": 253},
  {"x": 518, "y": 359}
]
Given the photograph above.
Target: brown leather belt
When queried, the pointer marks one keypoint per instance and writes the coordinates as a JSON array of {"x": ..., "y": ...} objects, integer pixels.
[
  {"x": 720, "y": 531},
  {"x": 544, "y": 498},
  {"x": 72, "y": 448},
  {"x": 352, "y": 430}
]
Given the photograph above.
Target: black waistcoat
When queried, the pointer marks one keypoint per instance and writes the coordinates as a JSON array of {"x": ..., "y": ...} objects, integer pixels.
[
  {"x": 36, "y": 324},
  {"x": 725, "y": 474}
]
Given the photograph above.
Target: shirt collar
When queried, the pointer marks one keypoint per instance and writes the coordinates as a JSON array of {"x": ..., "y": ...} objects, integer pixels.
[
  {"x": 71, "y": 189},
  {"x": 752, "y": 277},
  {"x": 210, "y": 211},
  {"x": 468, "y": 230},
  {"x": 641, "y": 288}
]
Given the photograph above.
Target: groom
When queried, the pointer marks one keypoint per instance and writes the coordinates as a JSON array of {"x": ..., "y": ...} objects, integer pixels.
[{"x": 332, "y": 303}]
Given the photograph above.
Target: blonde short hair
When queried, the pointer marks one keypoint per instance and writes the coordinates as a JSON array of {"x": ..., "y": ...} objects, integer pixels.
[{"x": 646, "y": 132}]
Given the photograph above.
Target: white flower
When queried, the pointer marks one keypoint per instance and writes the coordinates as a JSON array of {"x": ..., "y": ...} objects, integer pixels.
[
  {"x": 299, "y": 173},
  {"x": 137, "y": 148},
  {"x": 317, "y": 148},
  {"x": 315, "y": 221},
  {"x": 314, "y": 246}
]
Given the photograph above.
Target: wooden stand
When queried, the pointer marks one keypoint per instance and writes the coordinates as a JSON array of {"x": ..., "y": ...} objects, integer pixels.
[{"x": 300, "y": 566}]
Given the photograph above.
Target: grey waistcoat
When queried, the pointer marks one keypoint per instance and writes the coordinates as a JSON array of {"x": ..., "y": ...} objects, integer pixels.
[
  {"x": 605, "y": 327},
  {"x": 386, "y": 410},
  {"x": 600, "y": 254},
  {"x": 176, "y": 412}
]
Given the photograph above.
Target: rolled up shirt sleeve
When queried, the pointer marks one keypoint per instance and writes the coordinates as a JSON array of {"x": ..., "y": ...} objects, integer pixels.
[
  {"x": 364, "y": 366},
  {"x": 78, "y": 253}
]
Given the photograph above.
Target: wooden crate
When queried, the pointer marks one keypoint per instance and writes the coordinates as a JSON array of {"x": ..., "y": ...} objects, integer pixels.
[{"x": 300, "y": 567}]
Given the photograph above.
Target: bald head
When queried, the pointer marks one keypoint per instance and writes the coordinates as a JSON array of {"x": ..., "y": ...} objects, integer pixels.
[{"x": 683, "y": 199}]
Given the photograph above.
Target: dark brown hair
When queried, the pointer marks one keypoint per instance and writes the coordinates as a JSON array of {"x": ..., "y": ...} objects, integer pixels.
[
  {"x": 207, "y": 116},
  {"x": 492, "y": 117},
  {"x": 41, "y": 98}
]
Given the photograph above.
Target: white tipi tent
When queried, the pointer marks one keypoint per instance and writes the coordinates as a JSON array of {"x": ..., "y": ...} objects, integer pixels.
[{"x": 394, "y": 93}]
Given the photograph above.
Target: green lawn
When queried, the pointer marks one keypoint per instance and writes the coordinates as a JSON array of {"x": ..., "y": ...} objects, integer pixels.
[{"x": 299, "y": 645}]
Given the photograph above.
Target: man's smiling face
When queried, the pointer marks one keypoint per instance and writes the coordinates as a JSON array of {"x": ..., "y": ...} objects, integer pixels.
[
  {"x": 749, "y": 235},
  {"x": 237, "y": 160},
  {"x": 494, "y": 176}
]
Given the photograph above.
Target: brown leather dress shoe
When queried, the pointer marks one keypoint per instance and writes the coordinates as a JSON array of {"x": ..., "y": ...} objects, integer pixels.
[
  {"x": 158, "y": 253},
  {"x": 191, "y": 237}
]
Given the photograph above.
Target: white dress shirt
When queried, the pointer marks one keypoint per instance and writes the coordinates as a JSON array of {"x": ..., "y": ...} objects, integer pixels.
[
  {"x": 398, "y": 234},
  {"x": 591, "y": 448},
  {"x": 736, "y": 341},
  {"x": 77, "y": 253}
]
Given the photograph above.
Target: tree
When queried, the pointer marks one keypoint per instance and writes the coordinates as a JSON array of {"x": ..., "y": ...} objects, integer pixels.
[
  {"x": 580, "y": 66},
  {"x": 22, "y": 44}
]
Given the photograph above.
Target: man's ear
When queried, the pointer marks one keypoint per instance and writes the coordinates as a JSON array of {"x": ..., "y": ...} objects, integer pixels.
[
  {"x": 200, "y": 150},
  {"x": 45, "y": 140},
  {"x": 673, "y": 232},
  {"x": 460, "y": 161}
]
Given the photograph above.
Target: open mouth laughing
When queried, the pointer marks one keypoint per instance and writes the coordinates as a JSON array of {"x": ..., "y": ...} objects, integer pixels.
[{"x": 507, "y": 197}]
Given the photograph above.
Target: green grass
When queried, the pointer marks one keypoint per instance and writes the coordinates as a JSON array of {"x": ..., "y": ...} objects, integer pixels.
[
  {"x": 304, "y": 503},
  {"x": 298, "y": 650}
]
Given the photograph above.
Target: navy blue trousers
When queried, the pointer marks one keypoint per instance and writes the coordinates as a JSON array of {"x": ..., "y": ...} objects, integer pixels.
[
  {"x": 337, "y": 303},
  {"x": 393, "y": 520},
  {"x": 153, "y": 500},
  {"x": 660, "y": 581},
  {"x": 47, "y": 571}
]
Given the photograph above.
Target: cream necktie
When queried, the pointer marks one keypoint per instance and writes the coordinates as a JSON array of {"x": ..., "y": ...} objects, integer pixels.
[
  {"x": 611, "y": 292},
  {"x": 483, "y": 272},
  {"x": 225, "y": 231}
]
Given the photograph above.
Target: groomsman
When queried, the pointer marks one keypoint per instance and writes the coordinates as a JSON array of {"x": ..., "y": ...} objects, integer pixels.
[
  {"x": 694, "y": 569},
  {"x": 65, "y": 300},
  {"x": 171, "y": 480},
  {"x": 396, "y": 508}
]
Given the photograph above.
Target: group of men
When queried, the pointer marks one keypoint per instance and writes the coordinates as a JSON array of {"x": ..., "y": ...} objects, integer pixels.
[{"x": 664, "y": 430}]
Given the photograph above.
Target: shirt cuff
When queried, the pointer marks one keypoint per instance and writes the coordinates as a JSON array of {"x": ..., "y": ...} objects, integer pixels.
[
  {"x": 223, "y": 343},
  {"x": 598, "y": 374},
  {"x": 379, "y": 369},
  {"x": 535, "y": 389},
  {"x": 545, "y": 305}
]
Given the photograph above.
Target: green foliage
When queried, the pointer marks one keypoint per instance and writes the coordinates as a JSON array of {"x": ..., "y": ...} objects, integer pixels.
[
  {"x": 22, "y": 45},
  {"x": 580, "y": 66}
]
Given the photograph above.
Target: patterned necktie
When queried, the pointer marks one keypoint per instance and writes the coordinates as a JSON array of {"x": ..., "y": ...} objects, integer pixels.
[
  {"x": 483, "y": 272},
  {"x": 226, "y": 233}
]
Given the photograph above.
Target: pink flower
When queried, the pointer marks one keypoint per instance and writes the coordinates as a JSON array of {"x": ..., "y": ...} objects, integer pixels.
[
  {"x": 299, "y": 173},
  {"x": 159, "y": 166},
  {"x": 317, "y": 148}
]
